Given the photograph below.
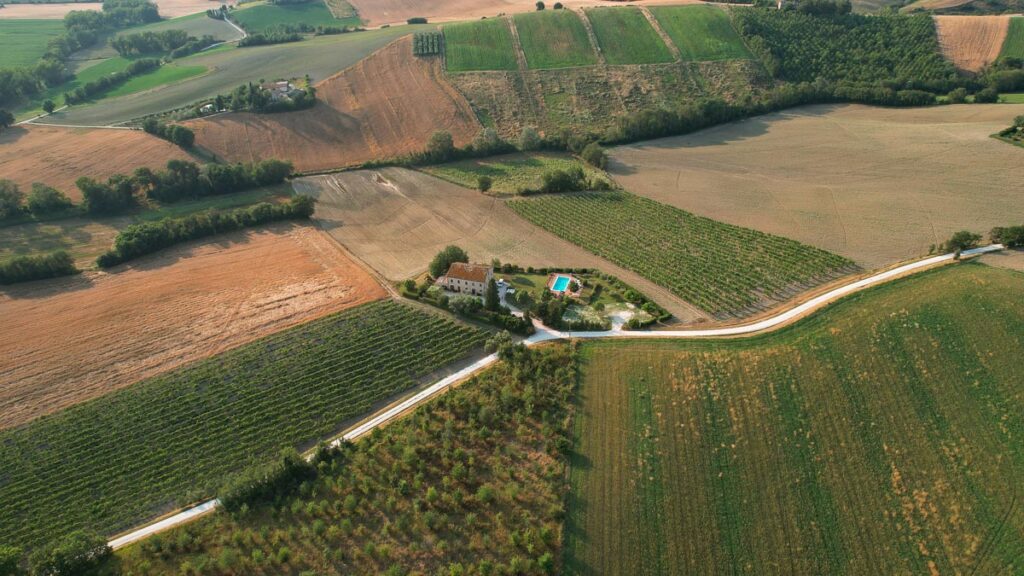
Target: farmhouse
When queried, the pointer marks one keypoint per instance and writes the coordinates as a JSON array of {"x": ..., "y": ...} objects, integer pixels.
[
  {"x": 468, "y": 278},
  {"x": 282, "y": 90}
]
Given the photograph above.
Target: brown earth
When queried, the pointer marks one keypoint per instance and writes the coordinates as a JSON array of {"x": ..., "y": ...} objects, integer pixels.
[
  {"x": 385, "y": 106},
  {"x": 396, "y": 220},
  {"x": 175, "y": 8},
  {"x": 876, "y": 185},
  {"x": 377, "y": 12},
  {"x": 66, "y": 341},
  {"x": 933, "y": 5},
  {"x": 972, "y": 42},
  {"x": 43, "y": 11},
  {"x": 1010, "y": 259},
  {"x": 59, "y": 156}
]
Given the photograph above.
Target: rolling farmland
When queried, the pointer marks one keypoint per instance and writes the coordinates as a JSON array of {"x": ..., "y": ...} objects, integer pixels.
[
  {"x": 481, "y": 45},
  {"x": 265, "y": 16},
  {"x": 23, "y": 42},
  {"x": 1014, "y": 44},
  {"x": 701, "y": 32},
  {"x": 555, "y": 39},
  {"x": 971, "y": 42},
  {"x": 626, "y": 37},
  {"x": 725, "y": 270},
  {"x": 877, "y": 437},
  {"x": 509, "y": 173},
  {"x": 125, "y": 457}
]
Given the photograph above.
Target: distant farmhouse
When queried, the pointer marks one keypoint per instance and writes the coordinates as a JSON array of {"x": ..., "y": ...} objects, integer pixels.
[
  {"x": 282, "y": 90},
  {"x": 467, "y": 278}
]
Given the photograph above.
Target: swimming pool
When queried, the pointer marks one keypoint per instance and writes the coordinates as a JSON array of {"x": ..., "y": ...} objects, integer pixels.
[{"x": 561, "y": 284}]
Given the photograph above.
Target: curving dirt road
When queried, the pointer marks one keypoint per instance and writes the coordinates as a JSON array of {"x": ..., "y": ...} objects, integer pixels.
[{"x": 544, "y": 334}]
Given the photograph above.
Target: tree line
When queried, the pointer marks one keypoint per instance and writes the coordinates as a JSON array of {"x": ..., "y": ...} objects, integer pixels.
[
  {"x": 36, "y": 267},
  {"x": 41, "y": 201},
  {"x": 174, "y": 133},
  {"x": 176, "y": 43},
  {"x": 104, "y": 83},
  {"x": 149, "y": 237},
  {"x": 82, "y": 29}
]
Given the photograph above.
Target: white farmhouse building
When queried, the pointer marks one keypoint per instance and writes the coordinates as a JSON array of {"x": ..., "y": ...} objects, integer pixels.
[{"x": 467, "y": 278}]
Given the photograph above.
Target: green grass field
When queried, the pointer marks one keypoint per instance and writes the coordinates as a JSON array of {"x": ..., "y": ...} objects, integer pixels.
[
  {"x": 479, "y": 45},
  {"x": 723, "y": 269},
  {"x": 554, "y": 39},
  {"x": 881, "y": 436},
  {"x": 197, "y": 25},
  {"x": 626, "y": 37},
  {"x": 1012, "y": 98},
  {"x": 701, "y": 32},
  {"x": 1014, "y": 44},
  {"x": 509, "y": 173},
  {"x": 263, "y": 16},
  {"x": 166, "y": 74},
  {"x": 23, "y": 42},
  {"x": 112, "y": 462}
]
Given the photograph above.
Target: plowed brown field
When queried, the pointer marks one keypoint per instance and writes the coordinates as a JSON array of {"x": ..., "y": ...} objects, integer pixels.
[
  {"x": 63, "y": 342},
  {"x": 59, "y": 156},
  {"x": 44, "y": 11},
  {"x": 396, "y": 220},
  {"x": 386, "y": 105},
  {"x": 972, "y": 42}
]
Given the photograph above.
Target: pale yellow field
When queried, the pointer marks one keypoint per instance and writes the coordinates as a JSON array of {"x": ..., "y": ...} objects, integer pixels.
[{"x": 876, "y": 185}]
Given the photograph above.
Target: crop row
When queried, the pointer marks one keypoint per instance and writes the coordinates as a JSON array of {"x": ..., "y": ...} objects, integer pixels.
[
  {"x": 724, "y": 269},
  {"x": 110, "y": 463},
  {"x": 426, "y": 43}
]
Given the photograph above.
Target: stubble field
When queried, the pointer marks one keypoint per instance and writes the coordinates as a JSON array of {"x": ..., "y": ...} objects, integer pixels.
[
  {"x": 396, "y": 220},
  {"x": 877, "y": 437},
  {"x": 971, "y": 42},
  {"x": 66, "y": 341},
  {"x": 384, "y": 106},
  {"x": 875, "y": 185},
  {"x": 59, "y": 156}
]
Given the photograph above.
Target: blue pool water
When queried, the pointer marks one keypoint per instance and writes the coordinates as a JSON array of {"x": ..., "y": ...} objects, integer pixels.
[{"x": 561, "y": 283}]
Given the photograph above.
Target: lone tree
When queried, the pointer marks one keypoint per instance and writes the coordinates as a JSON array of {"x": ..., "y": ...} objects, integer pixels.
[
  {"x": 529, "y": 139},
  {"x": 483, "y": 183},
  {"x": 963, "y": 240},
  {"x": 540, "y": 5},
  {"x": 445, "y": 258},
  {"x": 441, "y": 146},
  {"x": 492, "y": 301},
  {"x": 48, "y": 106},
  {"x": 6, "y": 119},
  {"x": 595, "y": 155},
  {"x": 10, "y": 199}
]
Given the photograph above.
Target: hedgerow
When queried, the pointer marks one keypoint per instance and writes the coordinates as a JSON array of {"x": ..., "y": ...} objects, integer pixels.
[{"x": 114, "y": 462}]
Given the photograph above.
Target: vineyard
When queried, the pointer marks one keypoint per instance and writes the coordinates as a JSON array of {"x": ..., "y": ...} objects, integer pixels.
[
  {"x": 626, "y": 37},
  {"x": 554, "y": 39},
  {"x": 701, "y": 33},
  {"x": 723, "y": 269},
  {"x": 881, "y": 436},
  {"x": 853, "y": 48},
  {"x": 427, "y": 43},
  {"x": 113, "y": 462},
  {"x": 480, "y": 45}
]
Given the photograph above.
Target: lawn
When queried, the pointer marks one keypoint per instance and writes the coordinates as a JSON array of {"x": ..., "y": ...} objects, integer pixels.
[
  {"x": 1012, "y": 98},
  {"x": 701, "y": 33},
  {"x": 23, "y": 42},
  {"x": 509, "y": 173},
  {"x": 554, "y": 39},
  {"x": 726, "y": 270},
  {"x": 314, "y": 13},
  {"x": 626, "y": 37},
  {"x": 1014, "y": 44},
  {"x": 480, "y": 45},
  {"x": 881, "y": 436},
  {"x": 113, "y": 462}
]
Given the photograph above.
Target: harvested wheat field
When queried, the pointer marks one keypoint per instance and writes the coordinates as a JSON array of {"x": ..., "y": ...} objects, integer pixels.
[
  {"x": 972, "y": 42},
  {"x": 876, "y": 185},
  {"x": 45, "y": 11},
  {"x": 386, "y": 105},
  {"x": 175, "y": 8},
  {"x": 66, "y": 341},
  {"x": 59, "y": 156},
  {"x": 377, "y": 12},
  {"x": 396, "y": 220}
]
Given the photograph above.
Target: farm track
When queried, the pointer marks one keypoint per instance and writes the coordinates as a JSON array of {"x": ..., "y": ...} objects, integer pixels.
[{"x": 543, "y": 335}]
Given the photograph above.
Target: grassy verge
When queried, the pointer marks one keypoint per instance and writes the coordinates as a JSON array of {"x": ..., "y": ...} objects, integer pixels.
[
  {"x": 554, "y": 39},
  {"x": 111, "y": 463},
  {"x": 23, "y": 42},
  {"x": 509, "y": 173},
  {"x": 723, "y": 269},
  {"x": 796, "y": 452},
  {"x": 626, "y": 37},
  {"x": 480, "y": 45},
  {"x": 701, "y": 32}
]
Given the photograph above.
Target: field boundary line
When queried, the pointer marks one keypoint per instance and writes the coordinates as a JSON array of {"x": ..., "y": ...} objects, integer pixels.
[
  {"x": 592, "y": 37},
  {"x": 676, "y": 54},
  {"x": 544, "y": 334}
]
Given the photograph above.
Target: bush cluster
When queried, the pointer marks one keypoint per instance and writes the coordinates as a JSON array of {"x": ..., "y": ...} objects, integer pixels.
[
  {"x": 148, "y": 237},
  {"x": 1009, "y": 236},
  {"x": 27, "y": 268},
  {"x": 269, "y": 37},
  {"x": 267, "y": 484},
  {"x": 150, "y": 42},
  {"x": 171, "y": 132}
]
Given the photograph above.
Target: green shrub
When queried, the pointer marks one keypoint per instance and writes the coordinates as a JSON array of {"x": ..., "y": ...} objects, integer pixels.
[
  {"x": 46, "y": 200},
  {"x": 27, "y": 268}
]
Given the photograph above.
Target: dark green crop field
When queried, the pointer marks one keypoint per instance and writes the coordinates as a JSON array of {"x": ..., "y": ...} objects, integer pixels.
[
  {"x": 111, "y": 463},
  {"x": 723, "y": 269},
  {"x": 626, "y": 37},
  {"x": 554, "y": 39},
  {"x": 480, "y": 45},
  {"x": 881, "y": 436},
  {"x": 701, "y": 32}
]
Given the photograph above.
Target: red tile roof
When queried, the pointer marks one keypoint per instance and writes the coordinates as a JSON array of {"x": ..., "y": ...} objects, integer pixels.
[{"x": 470, "y": 272}]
